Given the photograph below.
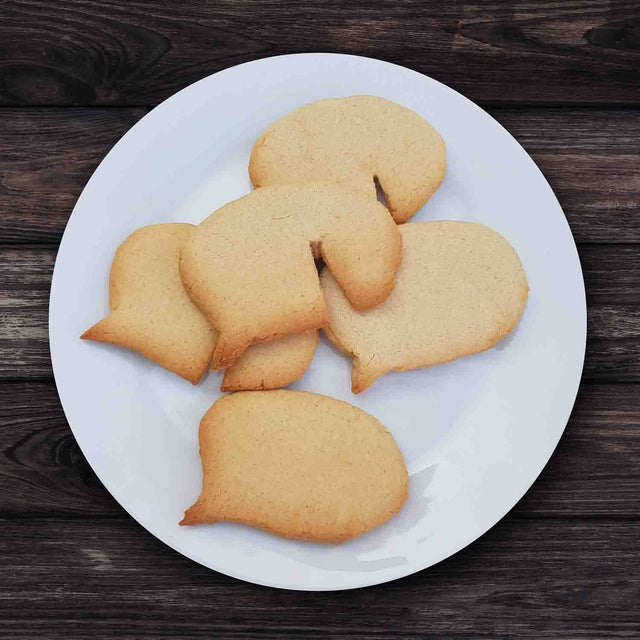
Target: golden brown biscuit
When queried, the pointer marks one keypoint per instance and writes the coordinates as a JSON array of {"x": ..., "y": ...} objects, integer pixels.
[
  {"x": 152, "y": 314},
  {"x": 298, "y": 464},
  {"x": 351, "y": 141},
  {"x": 460, "y": 290},
  {"x": 150, "y": 311},
  {"x": 249, "y": 266},
  {"x": 271, "y": 365}
]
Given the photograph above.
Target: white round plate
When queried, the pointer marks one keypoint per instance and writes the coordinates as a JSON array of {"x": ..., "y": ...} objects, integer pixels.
[{"x": 475, "y": 433}]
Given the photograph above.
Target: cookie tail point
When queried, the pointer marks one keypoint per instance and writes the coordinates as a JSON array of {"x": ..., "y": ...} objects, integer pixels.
[
  {"x": 98, "y": 332},
  {"x": 188, "y": 520},
  {"x": 88, "y": 334},
  {"x": 192, "y": 515},
  {"x": 364, "y": 375},
  {"x": 201, "y": 512}
]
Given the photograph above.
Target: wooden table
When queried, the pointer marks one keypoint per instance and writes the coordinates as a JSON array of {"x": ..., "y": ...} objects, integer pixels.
[{"x": 563, "y": 77}]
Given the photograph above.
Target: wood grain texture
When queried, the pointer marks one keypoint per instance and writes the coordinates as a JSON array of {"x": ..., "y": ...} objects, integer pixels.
[
  {"x": 591, "y": 159},
  {"x": 98, "y": 579},
  {"x": 24, "y": 309},
  {"x": 42, "y": 470},
  {"x": 594, "y": 473},
  {"x": 97, "y": 52},
  {"x": 612, "y": 275},
  {"x": 46, "y": 158}
]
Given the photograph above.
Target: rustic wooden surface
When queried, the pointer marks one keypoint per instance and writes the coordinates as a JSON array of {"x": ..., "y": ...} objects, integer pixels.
[{"x": 562, "y": 76}]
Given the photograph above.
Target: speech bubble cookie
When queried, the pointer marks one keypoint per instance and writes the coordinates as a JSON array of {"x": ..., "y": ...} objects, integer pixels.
[
  {"x": 460, "y": 290},
  {"x": 271, "y": 365},
  {"x": 353, "y": 141},
  {"x": 152, "y": 314},
  {"x": 297, "y": 464},
  {"x": 250, "y": 265}
]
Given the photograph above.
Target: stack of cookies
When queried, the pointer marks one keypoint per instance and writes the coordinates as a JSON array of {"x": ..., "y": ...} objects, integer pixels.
[{"x": 241, "y": 292}]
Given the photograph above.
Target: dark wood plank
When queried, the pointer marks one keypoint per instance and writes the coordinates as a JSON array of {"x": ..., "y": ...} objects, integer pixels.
[
  {"x": 46, "y": 158},
  {"x": 99, "y": 579},
  {"x": 612, "y": 360},
  {"x": 613, "y": 350},
  {"x": 595, "y": 470},
  {"x": 594, "y": 473},
  {"x": 612, "y": 274},
  {"x": 92, "y": 52},
  {"x": 591, "y": 158},
  {"x": 42, "y": 470},
  {"x": 25, "y": 280}
]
